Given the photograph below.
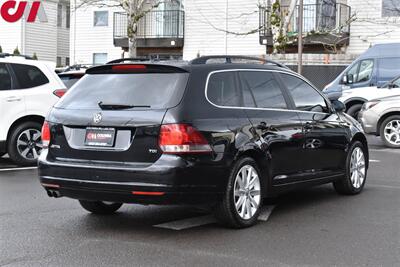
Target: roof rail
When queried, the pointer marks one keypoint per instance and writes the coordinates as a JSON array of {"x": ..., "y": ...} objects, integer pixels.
[
  {"x": 120, "y": 60},
  {"x": 228, "y": 60},
  {"x": 3, "y": 55}
]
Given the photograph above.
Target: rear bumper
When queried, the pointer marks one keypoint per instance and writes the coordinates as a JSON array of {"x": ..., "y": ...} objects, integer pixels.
[{"x": 170, "y": 180}]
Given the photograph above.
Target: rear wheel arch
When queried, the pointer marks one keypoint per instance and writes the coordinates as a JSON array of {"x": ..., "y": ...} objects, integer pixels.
[
  {"x": 262, "y": 164},
  {"x": 34, "y": 118}
]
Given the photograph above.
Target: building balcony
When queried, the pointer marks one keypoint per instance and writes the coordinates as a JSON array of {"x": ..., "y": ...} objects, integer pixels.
[
  {"x": 157, "y": 29},
  {"x": 326, "y": 27}
]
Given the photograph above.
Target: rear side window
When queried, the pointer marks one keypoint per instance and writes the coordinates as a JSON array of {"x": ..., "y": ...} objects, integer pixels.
[
  {"x": 263, "y": 88},
  {"x": 5, "y": 78},
  {"x": 69, "y": 80},
  {"x": 305, "y": 97},
  {"x": 157, "y": 90},
  {"x": 222, "y": 89},
  {"x": 28, "y": 76}
]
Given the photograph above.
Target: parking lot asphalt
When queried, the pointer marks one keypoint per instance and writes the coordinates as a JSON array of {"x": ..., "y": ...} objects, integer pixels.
[{"x": 313, "y": 227}]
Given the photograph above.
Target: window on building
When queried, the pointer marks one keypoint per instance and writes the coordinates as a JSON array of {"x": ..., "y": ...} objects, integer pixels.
[
  {"x": 58, "y": 62},
  {"x": 59, "y": 15},
  {"x": 100, "y": 18},
  {"x": 390, "y": 8},
  {"x": 67, "y": 61},
  {"x": 68, "y": 16},
  {"x": 99, "y": 58},
  {"x": 28, "y": 76}
]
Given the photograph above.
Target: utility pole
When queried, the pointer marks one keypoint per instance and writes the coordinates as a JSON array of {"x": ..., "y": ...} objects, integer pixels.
[{"x": 300, "y": 38}]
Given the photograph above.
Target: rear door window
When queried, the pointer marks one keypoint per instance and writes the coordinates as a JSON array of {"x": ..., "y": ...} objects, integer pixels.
[
  {"x": 28, "y": 76},
  {"x": 263, "y": 88},
  {"x": 156, "y": 90},
  {"x": 5, "y": 77}
]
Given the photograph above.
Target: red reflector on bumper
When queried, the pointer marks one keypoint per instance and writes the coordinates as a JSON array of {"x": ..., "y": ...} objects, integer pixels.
[
  {"x": 141, "y": 193},
  {"x": 51, "y": 185}
]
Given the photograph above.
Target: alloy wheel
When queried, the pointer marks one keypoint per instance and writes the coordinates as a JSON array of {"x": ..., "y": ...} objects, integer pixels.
[
  {"x": 29, "y": 144},
  {"x": 247, "y": 194},
  {"x": 357, "y": 167},
  {"x": 392, "y": 132}
]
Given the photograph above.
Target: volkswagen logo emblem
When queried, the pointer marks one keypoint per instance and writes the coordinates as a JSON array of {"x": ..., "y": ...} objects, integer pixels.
[{"x": 97, "y": 118}]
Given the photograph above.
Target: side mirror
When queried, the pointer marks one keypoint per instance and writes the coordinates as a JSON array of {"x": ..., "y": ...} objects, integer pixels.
[
  {"x": 390, "y": 86},
  {"x": 338, "y": 106},
  {"x": 350, "y": 78}
]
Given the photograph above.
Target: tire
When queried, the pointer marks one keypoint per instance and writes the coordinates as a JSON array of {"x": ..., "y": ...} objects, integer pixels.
[
  {"x": 395, "y": 123},
  {"x": 30, "y": 134},
  {"x": 99, "y": 207},
  {"x": 356, "y": 172},
  {"x": 354, "y": 110},
  {"x": 247, "y": 213}
]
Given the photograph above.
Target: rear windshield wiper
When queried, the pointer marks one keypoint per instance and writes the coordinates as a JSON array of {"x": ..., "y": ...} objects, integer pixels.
[{"x": 105, "y": 106}]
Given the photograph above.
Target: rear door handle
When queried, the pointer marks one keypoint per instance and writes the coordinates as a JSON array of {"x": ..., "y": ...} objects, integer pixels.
[{"x": 13, "y": 99}]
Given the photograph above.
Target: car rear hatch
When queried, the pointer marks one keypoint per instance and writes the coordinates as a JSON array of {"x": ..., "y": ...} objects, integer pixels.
[{"x": 113, "y": 114}]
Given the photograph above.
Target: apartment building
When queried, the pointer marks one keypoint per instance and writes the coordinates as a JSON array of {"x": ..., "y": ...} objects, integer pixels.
[{"x": 48, "y": 38}]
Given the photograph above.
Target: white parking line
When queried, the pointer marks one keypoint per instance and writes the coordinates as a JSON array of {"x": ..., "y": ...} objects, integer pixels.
[
  {"x": 17, "y": 169},
  {"x": 207, "y": 219},
  {"x": 374, "y": 160}
]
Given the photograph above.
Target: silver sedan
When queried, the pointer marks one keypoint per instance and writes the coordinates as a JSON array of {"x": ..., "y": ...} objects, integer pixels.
[{"x": 382, "y": 118}]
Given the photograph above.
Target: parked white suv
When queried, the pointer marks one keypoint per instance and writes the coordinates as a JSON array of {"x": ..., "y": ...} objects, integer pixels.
[
  {"x": 28, "y": 89},
  {"x": 355, "y": 98}
]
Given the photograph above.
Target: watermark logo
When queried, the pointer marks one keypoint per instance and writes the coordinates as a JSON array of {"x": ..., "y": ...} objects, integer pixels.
[{"x": 11, "y": 11}]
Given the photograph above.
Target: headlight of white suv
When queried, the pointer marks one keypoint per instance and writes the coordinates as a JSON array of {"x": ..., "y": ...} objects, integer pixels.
[{"x": 370, "y": 104}]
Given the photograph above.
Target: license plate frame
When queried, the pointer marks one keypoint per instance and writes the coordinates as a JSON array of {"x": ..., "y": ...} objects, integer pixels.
[{"x": 99, "y": 137}]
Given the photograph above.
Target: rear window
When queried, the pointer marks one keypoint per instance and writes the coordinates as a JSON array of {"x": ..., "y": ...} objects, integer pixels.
[
  {"x": 28, "y": 76},
  {"x": 157, "y": 90},
  {"x": 69, "y": 80}
]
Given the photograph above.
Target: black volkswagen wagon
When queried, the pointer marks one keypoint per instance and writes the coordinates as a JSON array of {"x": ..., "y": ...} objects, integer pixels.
[{"x": 223, "y": 131}]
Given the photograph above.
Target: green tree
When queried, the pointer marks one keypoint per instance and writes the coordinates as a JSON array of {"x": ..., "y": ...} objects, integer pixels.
[
  {"x": 34, "y": 56},
  {"x": 16, "y": 52},
  {"x": 1, "y": 49}
]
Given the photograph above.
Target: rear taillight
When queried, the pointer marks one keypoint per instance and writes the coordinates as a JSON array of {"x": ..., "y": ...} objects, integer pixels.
[
  {"x": 45, "y": 134},
  {"x": 182, "y": 138},
  {"x": 60, "y": 92}
]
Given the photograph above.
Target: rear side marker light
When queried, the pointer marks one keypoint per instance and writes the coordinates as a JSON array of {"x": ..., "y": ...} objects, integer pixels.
[
  {"x": 182, "y": 138},
  {"x": 45, "y": 134},
  {"x": 50, "y": 185},
  {"x": 59, "y": 92},
  {"x": 142, "y": 193}
]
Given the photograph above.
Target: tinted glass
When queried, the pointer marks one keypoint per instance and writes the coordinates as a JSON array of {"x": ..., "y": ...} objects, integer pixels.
[
  {"x": 365, "y": 72},
  {"x": 222, "y": 89},
  {"x": 28, "y": 76},
  {"x": 396, "y": 83},
  {"x": 388, "y": 68},
  {"x": 156, "y": 90},
  {"x": 5, "y": 78},
  {"x": 263, "y": 88},
  {"x": 305, "y": 97},
  {"x": 69, "y": 80}
]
